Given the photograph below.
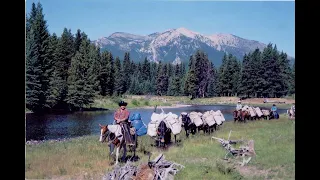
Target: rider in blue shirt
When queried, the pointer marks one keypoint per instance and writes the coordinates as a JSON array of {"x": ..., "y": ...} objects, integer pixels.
[{"x": 274, "y": 111}]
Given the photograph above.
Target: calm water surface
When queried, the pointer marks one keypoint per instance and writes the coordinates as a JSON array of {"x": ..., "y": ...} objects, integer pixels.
[{"x": 54, "y": 126}]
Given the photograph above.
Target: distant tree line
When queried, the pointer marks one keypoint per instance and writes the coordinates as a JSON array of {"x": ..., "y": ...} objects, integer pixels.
[{"x": 68, "y": 72}]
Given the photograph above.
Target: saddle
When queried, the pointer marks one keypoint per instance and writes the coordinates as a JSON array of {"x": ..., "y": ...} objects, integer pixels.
[
  {"x": 114, "y": 139},
  {"x": 126, "y": 131}
]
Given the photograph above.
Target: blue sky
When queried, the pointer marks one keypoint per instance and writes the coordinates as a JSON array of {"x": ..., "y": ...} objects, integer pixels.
[{"x": 264, "y": 21}]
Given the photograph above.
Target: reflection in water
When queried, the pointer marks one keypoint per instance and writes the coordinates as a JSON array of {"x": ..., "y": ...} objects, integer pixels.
[
  {"x": 36, "y": 128},
  {"x": 54, "y": 126}
]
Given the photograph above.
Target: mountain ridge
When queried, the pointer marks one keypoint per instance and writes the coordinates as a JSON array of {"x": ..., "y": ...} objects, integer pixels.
[{"x": 176, "y": 45}]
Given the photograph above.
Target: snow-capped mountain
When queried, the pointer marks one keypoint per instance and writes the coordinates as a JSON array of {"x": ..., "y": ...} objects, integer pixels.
[{"x": 176, "y": 45}]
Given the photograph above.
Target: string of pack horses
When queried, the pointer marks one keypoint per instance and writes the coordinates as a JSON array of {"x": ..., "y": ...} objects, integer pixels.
[{"x": 125, "y": 130}]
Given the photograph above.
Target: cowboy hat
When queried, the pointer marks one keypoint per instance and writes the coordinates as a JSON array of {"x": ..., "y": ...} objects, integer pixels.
[{"x": 122, "y": 103}]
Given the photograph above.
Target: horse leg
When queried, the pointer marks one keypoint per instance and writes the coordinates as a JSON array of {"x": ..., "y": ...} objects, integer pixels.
[
  {"x": 123, "y": 159},
  {"x": 175, "y": 138},
  {"x": 117, "y": 155},
  {"x": 111, "y": 148}
]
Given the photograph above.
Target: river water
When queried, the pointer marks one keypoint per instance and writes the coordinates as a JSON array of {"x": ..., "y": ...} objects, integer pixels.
[{"x": 55, "y": 126}]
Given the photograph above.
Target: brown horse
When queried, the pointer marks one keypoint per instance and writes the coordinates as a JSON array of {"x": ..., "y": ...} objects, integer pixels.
[
  {"x": 115, "y": 135},
  {"x": 245, "y": 115},
  {"x": 237, "y": 115}
]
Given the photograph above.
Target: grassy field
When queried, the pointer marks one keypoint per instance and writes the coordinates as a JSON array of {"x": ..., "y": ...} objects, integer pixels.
[
  {"x": 135, "y": 101},
  {"x": 87, "y": 158},
  {"x": 150, "y": 101}
]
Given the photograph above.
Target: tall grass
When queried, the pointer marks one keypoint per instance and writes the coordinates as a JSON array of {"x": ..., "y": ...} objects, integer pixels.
[{"x": 86, "y": 157}]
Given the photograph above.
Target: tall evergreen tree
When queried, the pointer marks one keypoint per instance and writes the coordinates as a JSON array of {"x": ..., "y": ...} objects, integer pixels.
[
  {"x": 176, "y": 84},
  {"x": 94, "y": 70},
  {"x": 38, "y": 62},
  {"x": 55, "y": 80},
  {"x": 292, "y": 79},
  {"x": 146, "y": 69},
  {"x": 77, "y": 40},
  {"x": 222, "y": 75},
  {"x": 188, "y": 86},
  {"x": 65, "y": 51},
  {"x": 256, "y": 82},
  {"x": 268, "y": 67},
  {"x": 110, "y": 75},
  {"x": 153, "y": 79},
  {"x": 118, "y": 77},
  {"x": 211, "y": 90},
  {"x": 80, "y": 87},
  {"x": 285, "y": 74},
  {"x": 126, "y": 72},
  {"x": 162, "y": 79}
]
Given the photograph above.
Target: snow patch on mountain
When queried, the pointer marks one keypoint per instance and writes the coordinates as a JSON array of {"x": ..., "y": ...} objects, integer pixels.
[{"x": 177, "y": 44}]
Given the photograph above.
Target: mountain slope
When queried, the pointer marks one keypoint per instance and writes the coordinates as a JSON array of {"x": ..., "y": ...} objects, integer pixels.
[{"x": 176, "y": 45}]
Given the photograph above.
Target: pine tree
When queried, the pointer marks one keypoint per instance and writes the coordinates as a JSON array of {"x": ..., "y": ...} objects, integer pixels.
[
  {"x": 81, "y": 92},
  {"x": 77, "y": 40},
  {"x": 94, "y": 69},
  {"x": 146, "y": 69},
  {"x": 103, "y": 75},
  {"x": 110, "y": 75},
  {"x": 222, "y": 76},
  {"x": 162, "y": 79},
  {"x": 118, "y": 86},
  {"x": 38, "y": 62},
  {"x": 126, "y": 72},
  {"x": 153, "y": 75},
  {"x": 268, "y": 67},
  {"x": 191, "y": 66},
  {"x": 176, "y": 84},
  {"x": 292, "y": 79},
  {"x": 256, "y": 82},
  {"x": 64, "y": 53},
  {"x": 211, "y": 90},
  {"x": 285, "y": 74},
  {"x": 55, "y": 80}
]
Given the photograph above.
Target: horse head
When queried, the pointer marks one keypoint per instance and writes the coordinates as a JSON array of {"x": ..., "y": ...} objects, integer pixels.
[
  {"x": 103, "y": 132},
  {"x": 185, "y": 119}
]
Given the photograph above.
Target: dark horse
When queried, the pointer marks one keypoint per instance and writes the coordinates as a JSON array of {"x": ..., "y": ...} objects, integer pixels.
[
  {"x": 163, "y": 135},
  {"x": 240, "y": 116},
  {"x": 209, "y": 129},
  {"x": 237, "y": 115},
  {"x": 273, "y": 115},
  {"x": 189, "y": 127}
]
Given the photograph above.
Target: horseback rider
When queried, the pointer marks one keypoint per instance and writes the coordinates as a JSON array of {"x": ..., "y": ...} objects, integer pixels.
[
  {"x": 274, "y": 111},
  {"x": 239, "y": 106},
  {"x": 121, "y": 117}
]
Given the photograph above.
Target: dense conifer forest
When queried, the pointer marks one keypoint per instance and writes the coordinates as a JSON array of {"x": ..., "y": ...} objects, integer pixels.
[{"x": 69, "y": 72}]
